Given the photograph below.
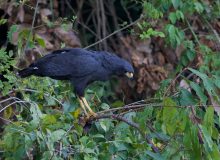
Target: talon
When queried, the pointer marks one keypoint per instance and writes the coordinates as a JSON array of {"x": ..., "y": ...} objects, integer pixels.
[
  {"x": 94, "y": 114},
  {"x": 84, "y": 104},
  {"x": 91, "y": 115},
  {"x": 87, "y": 117}
]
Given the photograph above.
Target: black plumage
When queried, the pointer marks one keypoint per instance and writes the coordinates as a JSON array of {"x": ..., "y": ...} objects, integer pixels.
[{"x": 79, "y": 66}]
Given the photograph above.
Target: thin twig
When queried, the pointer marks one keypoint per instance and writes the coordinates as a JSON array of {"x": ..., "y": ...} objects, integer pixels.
[
  {"x": 127, "y": 107},
  {"x": 103, "y": 22},
  {"x": 12, "y": 104},
  {"x": 7, "y": 120},
  {"x": 113, "y": 33},
  {"x": 78, "y": 18},
  {"x": 45, "y": 94},
  {"x": 32, "y": 25},
  {"x": 193, "y": 33},
  {"x": 35, "y": 91},
  {"x": 8, "y": 99},
  {"x": 130, "y": 110}
]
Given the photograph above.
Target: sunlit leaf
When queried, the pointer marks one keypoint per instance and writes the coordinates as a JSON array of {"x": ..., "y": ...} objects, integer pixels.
[
  {"x": 169, "y": 115},
  {"x": 57, "y": 135},
  {"x": 8, "y": 112},
  {"x": 209, "y": 119}
]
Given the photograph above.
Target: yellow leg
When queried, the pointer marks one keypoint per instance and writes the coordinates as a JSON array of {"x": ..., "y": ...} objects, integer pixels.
[
  {"x": 83, "y": 107},
  {"x": 88, "y": 107}
]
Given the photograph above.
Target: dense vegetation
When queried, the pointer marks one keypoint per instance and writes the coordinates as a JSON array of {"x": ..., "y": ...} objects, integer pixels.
[{"x": 41, "y": 118}]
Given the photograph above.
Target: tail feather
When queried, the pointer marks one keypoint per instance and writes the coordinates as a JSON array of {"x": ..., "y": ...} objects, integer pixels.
[{"x": 25, "y": 72}]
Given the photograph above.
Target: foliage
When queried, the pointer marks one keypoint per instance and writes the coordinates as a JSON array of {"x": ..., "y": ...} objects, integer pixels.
[
  {"x": 6, "y": 63},
  {"x": 183, "y": 122}
]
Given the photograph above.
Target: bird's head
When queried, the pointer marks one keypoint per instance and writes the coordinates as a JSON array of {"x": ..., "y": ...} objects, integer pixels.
[
  {"x": 117, "y": 65},
  {"x": 125, "y": 69},
  {"x": 128, "y": 69}
]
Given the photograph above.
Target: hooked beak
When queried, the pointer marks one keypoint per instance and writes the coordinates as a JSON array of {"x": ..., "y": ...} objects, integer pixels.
[{"x": 129, "y": 74}]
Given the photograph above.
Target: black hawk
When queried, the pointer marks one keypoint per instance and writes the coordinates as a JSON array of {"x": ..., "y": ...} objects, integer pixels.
[{"x": 81, "y": 67}]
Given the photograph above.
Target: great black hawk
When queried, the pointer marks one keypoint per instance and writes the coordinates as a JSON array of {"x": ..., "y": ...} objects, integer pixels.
[{"x": 81, "y": 67}]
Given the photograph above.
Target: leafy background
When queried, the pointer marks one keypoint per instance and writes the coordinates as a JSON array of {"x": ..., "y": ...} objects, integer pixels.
[{"x": 169, "y": 111}]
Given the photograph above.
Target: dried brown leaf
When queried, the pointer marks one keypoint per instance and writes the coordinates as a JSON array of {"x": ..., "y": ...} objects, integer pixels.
[
  {"x": 68, "y": 37},
  {"x": 45, "y": 12},
  {"x": 20, "y": 14}
]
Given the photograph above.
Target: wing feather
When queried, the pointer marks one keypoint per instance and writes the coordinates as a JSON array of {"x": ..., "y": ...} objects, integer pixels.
[{"x": 70, "y": 63}]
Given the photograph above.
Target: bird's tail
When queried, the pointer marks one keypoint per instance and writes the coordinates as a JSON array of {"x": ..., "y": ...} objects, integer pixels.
[{"x": 25, "y": 72}]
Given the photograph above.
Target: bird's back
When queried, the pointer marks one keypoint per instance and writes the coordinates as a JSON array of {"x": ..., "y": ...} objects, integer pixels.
[{"x": 64, "y": 64}]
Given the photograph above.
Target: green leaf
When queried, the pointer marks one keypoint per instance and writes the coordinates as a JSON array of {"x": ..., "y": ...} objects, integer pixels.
[
  {"x": 41, "y": 41},
  {"x": 117, "y": 103},
  {"x": 155, "y": 156},
  {"x": 184, "y": 60},
  {"x": 11, "y": 31},
  {"x": 68, "y": 107},
  {"x": 207, "y": 138},
  {"x": 3, "y": 21},
  {"x": 186, "y": 98},
  {"x": 160, "y": 34},
  {"x": 189, "y": 45},
  {"x": 120, "y": 146},
  {"x": 151, "y": 11},
  {"x": 191, "y": 55},
  {"x": 143, "y": 117},
  {"x": 36, "y": 113},
  {"x": 105, "y": 124},
  {"x": 209, "y": 119},
  {"x": 172, "y": 17},
  {"x": 57, "y": 135},
  {"x": 215, "y": 133},
  {"x": 207, "y": 82},
  {"x": 104, "y": 106},
  {"x": 215, "y": 154},
  {"x": 217, "y": 80},
  {"x": 150, "y": 32},
  {"x": 98, "y": 136},
  {"x": 198, "y": 6},
  {"x": 47, "y": 155},
  {"x": 89, "y": 150},
  {"x": 176, "y": 3},
  {"x": 84, "y": 140},
  {"x": 175, "y": 36},
  {"x": 169, "y": 115},
  {"x": 199, "y": 92},
  {"x": 88, "y": 157},
  {"x": 179, "y": 15},
  {"x": 7, "y": 112},
  {"x": 49, "y": 119},
  {"x": 196, "y": 148}
]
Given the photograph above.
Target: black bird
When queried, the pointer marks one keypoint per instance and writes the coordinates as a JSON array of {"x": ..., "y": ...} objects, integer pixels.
[{"x": 81, "y": 67}]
